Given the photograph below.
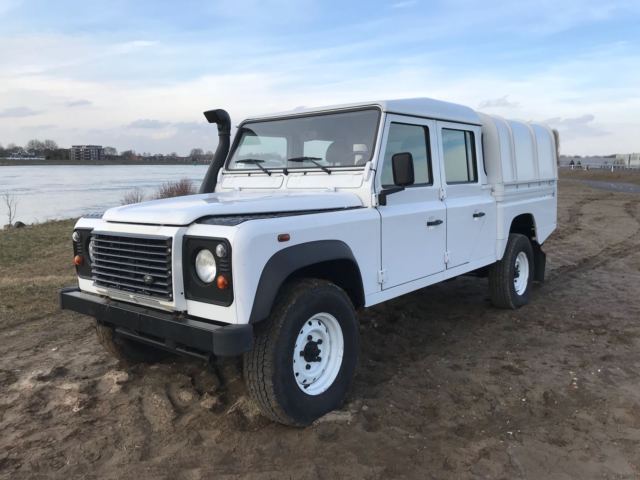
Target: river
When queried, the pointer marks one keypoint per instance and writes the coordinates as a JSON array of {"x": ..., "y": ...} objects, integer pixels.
[{"x": 60, "y": 191}]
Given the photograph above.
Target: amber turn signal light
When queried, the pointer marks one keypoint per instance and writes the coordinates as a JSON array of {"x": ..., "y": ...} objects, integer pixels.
[
  {"x": 78, "y": 260},
  {"x": 222, "y": 282}
]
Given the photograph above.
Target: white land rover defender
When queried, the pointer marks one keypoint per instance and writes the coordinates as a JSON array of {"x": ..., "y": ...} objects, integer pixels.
[{"x": 307, "y": 217}]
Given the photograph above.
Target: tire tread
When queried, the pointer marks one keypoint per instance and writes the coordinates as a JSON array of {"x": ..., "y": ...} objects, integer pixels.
[
  {"x": 258, "y": 363},
  {"x": 500, "y": 281}
]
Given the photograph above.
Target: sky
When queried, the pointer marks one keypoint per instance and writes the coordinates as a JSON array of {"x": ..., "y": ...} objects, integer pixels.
[{"x": 138, "y": 74}]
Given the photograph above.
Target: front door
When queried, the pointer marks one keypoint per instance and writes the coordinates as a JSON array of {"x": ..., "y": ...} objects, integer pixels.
[
  {"x": 471, "y": 210},
  {"x": 413, "y": 220}
]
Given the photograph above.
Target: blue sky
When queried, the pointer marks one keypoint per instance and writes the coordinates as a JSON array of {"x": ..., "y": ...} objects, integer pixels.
[{"x": 138, "y": 74}]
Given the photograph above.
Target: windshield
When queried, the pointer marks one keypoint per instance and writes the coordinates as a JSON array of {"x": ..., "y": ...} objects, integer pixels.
[{"x": 316, "y": 142}]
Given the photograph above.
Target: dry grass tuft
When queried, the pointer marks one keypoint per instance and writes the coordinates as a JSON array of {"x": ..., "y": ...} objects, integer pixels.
[
  {"x": 179, "y": 188},
  {"x": 132, "y": 196}
]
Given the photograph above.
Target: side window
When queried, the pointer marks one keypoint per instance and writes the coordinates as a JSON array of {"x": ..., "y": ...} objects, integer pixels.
[
  {"x": 415, "y": 140},
  {"x": 459, "y": 151}
]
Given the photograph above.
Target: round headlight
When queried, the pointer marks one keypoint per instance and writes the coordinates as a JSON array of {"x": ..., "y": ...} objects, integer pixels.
[
  {"x": 221, "y": 250},
  {"x": 91, "y": 247},
  {"x": 206, "y": 266},
  {"x": 75, "y": 236}
]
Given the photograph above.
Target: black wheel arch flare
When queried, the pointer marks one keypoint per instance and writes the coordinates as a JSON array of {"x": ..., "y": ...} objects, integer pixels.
[{"x": 304, "y": 257}]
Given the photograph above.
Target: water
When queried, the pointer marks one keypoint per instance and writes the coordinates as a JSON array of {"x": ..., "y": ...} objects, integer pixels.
[{"x": 61, "y": 191}]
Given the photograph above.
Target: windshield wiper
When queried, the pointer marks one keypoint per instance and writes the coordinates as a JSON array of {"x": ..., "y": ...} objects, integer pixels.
[
  {"x": 255, "y": 161},
  {"x": 313, "y": 160}
]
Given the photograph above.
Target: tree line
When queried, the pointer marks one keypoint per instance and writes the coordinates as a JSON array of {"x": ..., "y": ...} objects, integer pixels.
[
  {"x": 50, "y": 150},
  {"x": 35, "y": 148}
]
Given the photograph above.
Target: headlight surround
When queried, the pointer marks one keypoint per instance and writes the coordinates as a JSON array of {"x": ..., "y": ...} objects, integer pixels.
[
  {"x": 81, "y": 238},
  {"x": 205, "y": 265},
  {"x": 195, "y": 286}
]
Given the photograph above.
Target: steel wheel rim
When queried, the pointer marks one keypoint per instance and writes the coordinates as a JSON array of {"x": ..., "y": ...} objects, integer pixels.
[
  {"x": 317, "y": 354},
  {"x": 521, "y": 273}
]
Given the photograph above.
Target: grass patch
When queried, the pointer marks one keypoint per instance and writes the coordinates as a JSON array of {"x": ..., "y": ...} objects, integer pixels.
[
  {"x": 35, "y": 262},
  {"x": 24, "y": 302},
  {"x": 41, "y": 245},
  {"x": 623, "y": 176}
]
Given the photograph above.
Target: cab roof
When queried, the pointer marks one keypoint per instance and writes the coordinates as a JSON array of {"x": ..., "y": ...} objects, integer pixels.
[{"x": 418, "y": 107}]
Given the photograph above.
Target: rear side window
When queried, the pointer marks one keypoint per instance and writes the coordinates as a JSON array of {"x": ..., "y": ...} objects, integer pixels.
[
  {"x": 415, "y": 140},
  {"x": 459, "y": 156}
]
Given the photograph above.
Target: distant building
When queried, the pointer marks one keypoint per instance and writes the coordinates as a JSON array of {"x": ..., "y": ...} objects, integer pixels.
[
  {"x": 628, "y": 159},
  {"x": 591, "y": 161},
  {"x": 86, "y": 153}
]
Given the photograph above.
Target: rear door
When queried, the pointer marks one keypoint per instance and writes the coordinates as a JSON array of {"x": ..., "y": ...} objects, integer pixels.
[
  {"x": 414, "y": 220},
  {"x": 471, "y": 210}
]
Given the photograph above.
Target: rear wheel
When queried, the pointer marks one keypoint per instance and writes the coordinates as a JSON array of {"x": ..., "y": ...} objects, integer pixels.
[
  {"x": 510, "y": 278},
  {"x": 125, "y": 350},
  {"x": 305, "y": 354}
]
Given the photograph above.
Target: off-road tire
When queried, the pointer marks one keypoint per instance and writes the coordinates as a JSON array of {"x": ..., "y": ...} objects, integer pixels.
[
  {"x": 125, "y": 350},
  {"x": 502, "y": 273},
  {"x": 268, "y": 367}
]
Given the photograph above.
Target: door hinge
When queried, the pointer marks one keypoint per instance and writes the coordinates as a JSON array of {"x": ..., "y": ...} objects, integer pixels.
[
  {"x": 382, "y": 276},
  {"x": 443, "y": 193},
  {"x": 446, "y": 257}
]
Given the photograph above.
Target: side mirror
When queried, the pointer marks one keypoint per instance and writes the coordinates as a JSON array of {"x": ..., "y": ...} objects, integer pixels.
[
  {"x": 403, "y": 176},
  {"x": 402, "y": 166}
]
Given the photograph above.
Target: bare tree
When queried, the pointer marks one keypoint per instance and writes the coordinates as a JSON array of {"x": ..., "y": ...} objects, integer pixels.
[
  {"x": 50, "y": 145},
  {"x": 34, "y": 146},
  {"x": 196, "y": 153},
  {"x": 11, "y": 202},
  {"x": 128, "y": 155}
]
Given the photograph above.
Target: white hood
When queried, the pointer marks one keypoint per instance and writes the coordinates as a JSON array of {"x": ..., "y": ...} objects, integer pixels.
[{"x": 185, "y": 210}]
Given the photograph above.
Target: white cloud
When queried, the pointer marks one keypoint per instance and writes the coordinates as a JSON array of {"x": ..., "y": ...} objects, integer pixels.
[
  {"x": 148, "y": 123},
  {"x": 404, "y": 4},
  {"x": 577, "y": 127},
  {"x": 130, "y": 47},
  {"x": 148, "y": 94},
  {"x": 276, "y": 11},
  {"x": 500, "y": 102},
  {"x": 78, "y": 103},
  {"x": 18, "y": 112}
]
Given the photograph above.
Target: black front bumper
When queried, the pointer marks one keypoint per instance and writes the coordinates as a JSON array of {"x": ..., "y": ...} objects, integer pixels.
[{"x": 163, "y": 329}]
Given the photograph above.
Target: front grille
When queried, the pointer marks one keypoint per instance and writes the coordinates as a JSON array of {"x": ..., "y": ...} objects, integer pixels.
[{"x": 133, "y": 264}]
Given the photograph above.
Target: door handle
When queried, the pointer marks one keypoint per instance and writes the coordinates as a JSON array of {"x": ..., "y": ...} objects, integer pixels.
[
  {"x": 478, "y": 214},
  {"x": 434, "y": 223}
]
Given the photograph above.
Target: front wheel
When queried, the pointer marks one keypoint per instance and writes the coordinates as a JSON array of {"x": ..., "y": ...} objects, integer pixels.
[
  {"x": 305, "y": 353},
  {"x": 510, "y": 278}
]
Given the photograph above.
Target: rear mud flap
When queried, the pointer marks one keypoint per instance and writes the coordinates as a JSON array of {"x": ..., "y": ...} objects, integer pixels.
[{"x": 539, "y": 263}]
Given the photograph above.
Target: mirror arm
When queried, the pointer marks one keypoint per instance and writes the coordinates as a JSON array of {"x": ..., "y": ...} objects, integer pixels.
[{"x": 385, "y": 192}]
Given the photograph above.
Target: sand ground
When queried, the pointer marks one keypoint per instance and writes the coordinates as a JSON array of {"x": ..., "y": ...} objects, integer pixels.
[{"x": 448, "y": 386}]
